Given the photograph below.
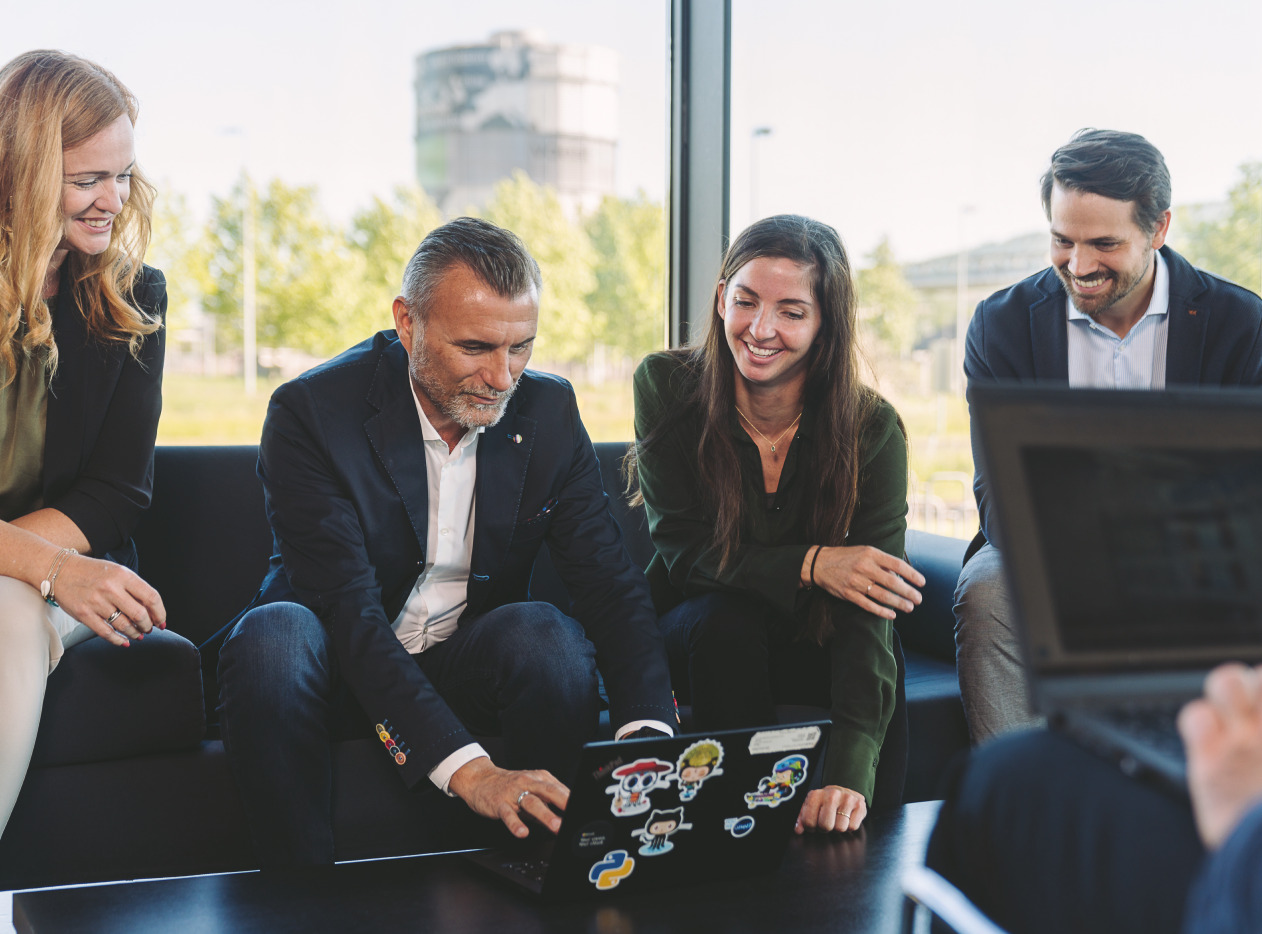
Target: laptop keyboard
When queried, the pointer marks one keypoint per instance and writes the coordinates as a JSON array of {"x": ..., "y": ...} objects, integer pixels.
[{"x": 1152, "y": 724}]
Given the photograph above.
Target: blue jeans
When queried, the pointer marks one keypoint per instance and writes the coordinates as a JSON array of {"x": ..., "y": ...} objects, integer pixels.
[{"x": 524, "y": 671}]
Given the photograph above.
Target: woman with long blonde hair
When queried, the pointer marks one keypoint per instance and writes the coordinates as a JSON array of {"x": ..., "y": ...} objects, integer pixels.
[
  {"x": 776, "y": 489},
  {"x": 81, "y": 350}
]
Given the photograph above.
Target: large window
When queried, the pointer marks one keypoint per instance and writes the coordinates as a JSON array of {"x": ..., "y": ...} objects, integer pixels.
[
  {"x": 301, "y": 151},
  {"x": 919, "y": 130}
]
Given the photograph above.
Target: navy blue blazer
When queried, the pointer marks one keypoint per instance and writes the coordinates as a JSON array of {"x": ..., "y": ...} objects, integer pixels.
[
  {"x": 103, "y": 409},
  {"x": 343, "y": 466},
  {"x": 1019, "y": 335}
]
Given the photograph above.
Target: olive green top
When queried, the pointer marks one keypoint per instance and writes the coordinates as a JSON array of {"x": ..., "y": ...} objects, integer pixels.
[
  {"x": 23, "y": 419},
  {"x": 774, "y": 543}
]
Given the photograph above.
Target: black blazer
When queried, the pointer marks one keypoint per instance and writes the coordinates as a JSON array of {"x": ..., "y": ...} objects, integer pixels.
[
  {"x": 103, "y": 409},
  {"x": 343, "y": 466},
  {"x": 1019, "y": 335}
]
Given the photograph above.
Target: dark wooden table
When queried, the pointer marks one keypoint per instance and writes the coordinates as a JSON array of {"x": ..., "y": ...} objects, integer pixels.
[{"x": 838, "y": 884}]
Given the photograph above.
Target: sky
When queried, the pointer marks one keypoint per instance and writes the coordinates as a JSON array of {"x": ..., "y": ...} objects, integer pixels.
[{"x": 924, "y": 122}]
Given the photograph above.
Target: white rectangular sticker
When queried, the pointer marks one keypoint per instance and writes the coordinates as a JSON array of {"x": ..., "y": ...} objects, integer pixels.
[{"x": 790, "y": 738}]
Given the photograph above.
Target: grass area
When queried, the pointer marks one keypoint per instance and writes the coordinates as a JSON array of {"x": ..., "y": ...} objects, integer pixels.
[
  {"x": 216, "y": 410},
  {"x": 211, "y": 410}
]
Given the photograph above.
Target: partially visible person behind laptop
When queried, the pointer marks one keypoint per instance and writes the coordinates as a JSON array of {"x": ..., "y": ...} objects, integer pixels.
[
  {"x": 1117, "y": 309},
  {"x": 410, "y": 484},
  {"x": 775, "y": 484},
  {"x": 1223, "y": 737},
  {"x": 1046, "y": 837}
]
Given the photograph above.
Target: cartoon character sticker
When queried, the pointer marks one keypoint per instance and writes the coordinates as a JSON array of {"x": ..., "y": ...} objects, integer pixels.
[
  {"x": 699, "y": 761},
  {"x": 616, "y": 866},
  {"x": 779, "y": 786},
  {"x": 634, "y": 782},
  {"x": 656, "y": 833}
]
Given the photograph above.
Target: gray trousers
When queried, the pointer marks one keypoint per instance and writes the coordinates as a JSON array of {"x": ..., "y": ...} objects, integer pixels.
[{"x": 987, "y": 651}]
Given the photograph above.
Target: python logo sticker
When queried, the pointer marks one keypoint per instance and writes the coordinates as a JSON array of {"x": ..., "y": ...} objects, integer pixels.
[{"x": 611, "y": 870}]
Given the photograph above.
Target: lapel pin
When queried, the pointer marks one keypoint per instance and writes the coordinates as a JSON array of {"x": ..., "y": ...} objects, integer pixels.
[
  {"x": 1191, "y": 311},
  {"x": 516, "y": 439}
]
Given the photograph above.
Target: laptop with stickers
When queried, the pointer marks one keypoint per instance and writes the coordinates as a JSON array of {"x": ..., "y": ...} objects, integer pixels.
[
  {"x": 646, "y": 814},
  {"x": 1131, "y": 529}
]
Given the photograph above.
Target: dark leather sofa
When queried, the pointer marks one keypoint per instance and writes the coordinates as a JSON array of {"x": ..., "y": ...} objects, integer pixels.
[{"x": 128, "y": 782}]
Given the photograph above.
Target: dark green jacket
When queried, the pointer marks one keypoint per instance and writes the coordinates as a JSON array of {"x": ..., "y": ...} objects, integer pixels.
[{"x": 774, "y": 543}]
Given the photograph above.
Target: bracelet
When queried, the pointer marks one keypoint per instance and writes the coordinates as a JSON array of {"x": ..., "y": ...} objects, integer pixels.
[
  {"x": 47, "y": 584},
  {"x": 818, "y": 549}
]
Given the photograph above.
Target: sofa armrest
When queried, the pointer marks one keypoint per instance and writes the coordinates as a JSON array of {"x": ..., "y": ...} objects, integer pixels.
[{"x": 930, "y": 628}]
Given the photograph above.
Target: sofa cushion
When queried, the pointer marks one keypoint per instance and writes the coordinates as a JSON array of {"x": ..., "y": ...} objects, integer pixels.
[{"x": 105, "y": 702}]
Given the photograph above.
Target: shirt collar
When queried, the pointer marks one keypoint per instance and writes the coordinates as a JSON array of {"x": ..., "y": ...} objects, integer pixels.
[
  {"x": 1159, "y": 304},
  {"x": 430, "y": 433}
]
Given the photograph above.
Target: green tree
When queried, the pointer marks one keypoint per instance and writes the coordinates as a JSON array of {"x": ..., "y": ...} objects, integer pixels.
[
  {"x": 1231, "y": 246},
  {"x": 628, "y": 305},
  {"x": 887, "y": 301},
  {"x": 385, "y": 235},
  {"x": 305, "y": 277},
  {"x": 567, "y": 331},
  {"x": 176, "y": 247}
]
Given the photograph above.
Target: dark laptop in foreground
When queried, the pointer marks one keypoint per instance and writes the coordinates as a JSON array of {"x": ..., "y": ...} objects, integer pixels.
[
  {"x": 1131, "y": 529},
  {"x": 650, "y": 813}
]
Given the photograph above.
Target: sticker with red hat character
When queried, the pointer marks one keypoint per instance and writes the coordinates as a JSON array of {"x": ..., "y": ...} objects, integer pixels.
[{"x": 633, "y": 782}]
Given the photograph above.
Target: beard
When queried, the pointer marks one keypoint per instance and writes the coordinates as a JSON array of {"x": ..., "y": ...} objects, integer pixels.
[
  {"x": 457, "y": 401},
  {"x": 1124, "y": 284}
]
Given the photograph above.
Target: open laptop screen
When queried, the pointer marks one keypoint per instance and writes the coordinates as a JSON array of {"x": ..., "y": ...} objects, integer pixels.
[
  {"x": 1130, "y": 522},
  {"x": 1155, "y": 546}
]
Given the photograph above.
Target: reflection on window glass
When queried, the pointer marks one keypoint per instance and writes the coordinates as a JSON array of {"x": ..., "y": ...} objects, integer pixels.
[
  {"x": 920, "y": 130},
  {"x": 307, "y": 155}
]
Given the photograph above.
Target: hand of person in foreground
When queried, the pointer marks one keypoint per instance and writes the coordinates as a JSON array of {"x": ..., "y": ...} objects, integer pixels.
[
  {"x": 507, "y": 795},
  {"x": 866, "y": 576},
  {"x": 832, "y": 808},
  {"x": 1223, "y": 736}
]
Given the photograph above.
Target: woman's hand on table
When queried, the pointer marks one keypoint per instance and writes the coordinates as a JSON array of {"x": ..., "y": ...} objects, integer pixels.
[{"x": 831, "y": 808}]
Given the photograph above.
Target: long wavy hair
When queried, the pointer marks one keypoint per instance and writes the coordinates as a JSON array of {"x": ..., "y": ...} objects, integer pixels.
[
  {"x": 842, "y": 404},
  {"x": 50, "y": 102}
]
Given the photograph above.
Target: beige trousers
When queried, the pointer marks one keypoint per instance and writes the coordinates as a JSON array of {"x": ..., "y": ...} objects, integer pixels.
[{"x": 33, "y": 636}]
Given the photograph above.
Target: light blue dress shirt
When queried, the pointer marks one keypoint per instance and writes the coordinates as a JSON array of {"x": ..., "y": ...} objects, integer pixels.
[{"x": 1100, "y": 359}]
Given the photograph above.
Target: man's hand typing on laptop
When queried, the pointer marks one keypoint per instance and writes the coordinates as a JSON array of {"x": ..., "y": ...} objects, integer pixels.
[
  {"x": 1223, "y": 736},
  {"x": 506, "y": 795}
]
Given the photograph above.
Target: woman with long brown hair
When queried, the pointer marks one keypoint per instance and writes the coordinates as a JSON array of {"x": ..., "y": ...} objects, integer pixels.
[
  {"x": 81, "y": 349},
  {"x": 776, "y": 489}
]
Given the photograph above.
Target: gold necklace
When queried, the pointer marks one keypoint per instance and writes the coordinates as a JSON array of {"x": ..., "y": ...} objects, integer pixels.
[{"x": 764, "y": 437}]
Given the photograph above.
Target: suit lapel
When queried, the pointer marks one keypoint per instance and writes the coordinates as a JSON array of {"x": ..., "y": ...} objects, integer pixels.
[
  {"x": 1188, "y": 321},
  {"x": 395, "y": 435},
  {"x": 1048, "y": 336},
  {"x": 504, "y": 452}
]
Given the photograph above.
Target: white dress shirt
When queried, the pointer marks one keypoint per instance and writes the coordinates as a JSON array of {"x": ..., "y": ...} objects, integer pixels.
[{"x": 441, "y": 592}]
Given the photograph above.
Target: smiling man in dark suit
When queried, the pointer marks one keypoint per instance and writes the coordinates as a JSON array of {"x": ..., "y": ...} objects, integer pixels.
[
  {"x": 410, "y": 483},
  {"x": 1117, "y": 309}
]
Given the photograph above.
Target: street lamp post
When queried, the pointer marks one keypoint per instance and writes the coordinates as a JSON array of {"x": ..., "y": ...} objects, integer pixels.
[
  {"x": 249, "y": 328},
  {"x": 961, "y": 305}
]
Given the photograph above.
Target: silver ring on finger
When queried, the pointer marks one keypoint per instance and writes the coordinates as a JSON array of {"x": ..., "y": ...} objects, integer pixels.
[
  {"x": 869, "y": 590},
  {"x": 109, "y": 620},
  {"x": 521, "y": 796}
]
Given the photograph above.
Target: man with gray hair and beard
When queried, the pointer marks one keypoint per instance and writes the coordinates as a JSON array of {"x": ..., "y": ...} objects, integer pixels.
[{"x": 410, "y": 483}]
